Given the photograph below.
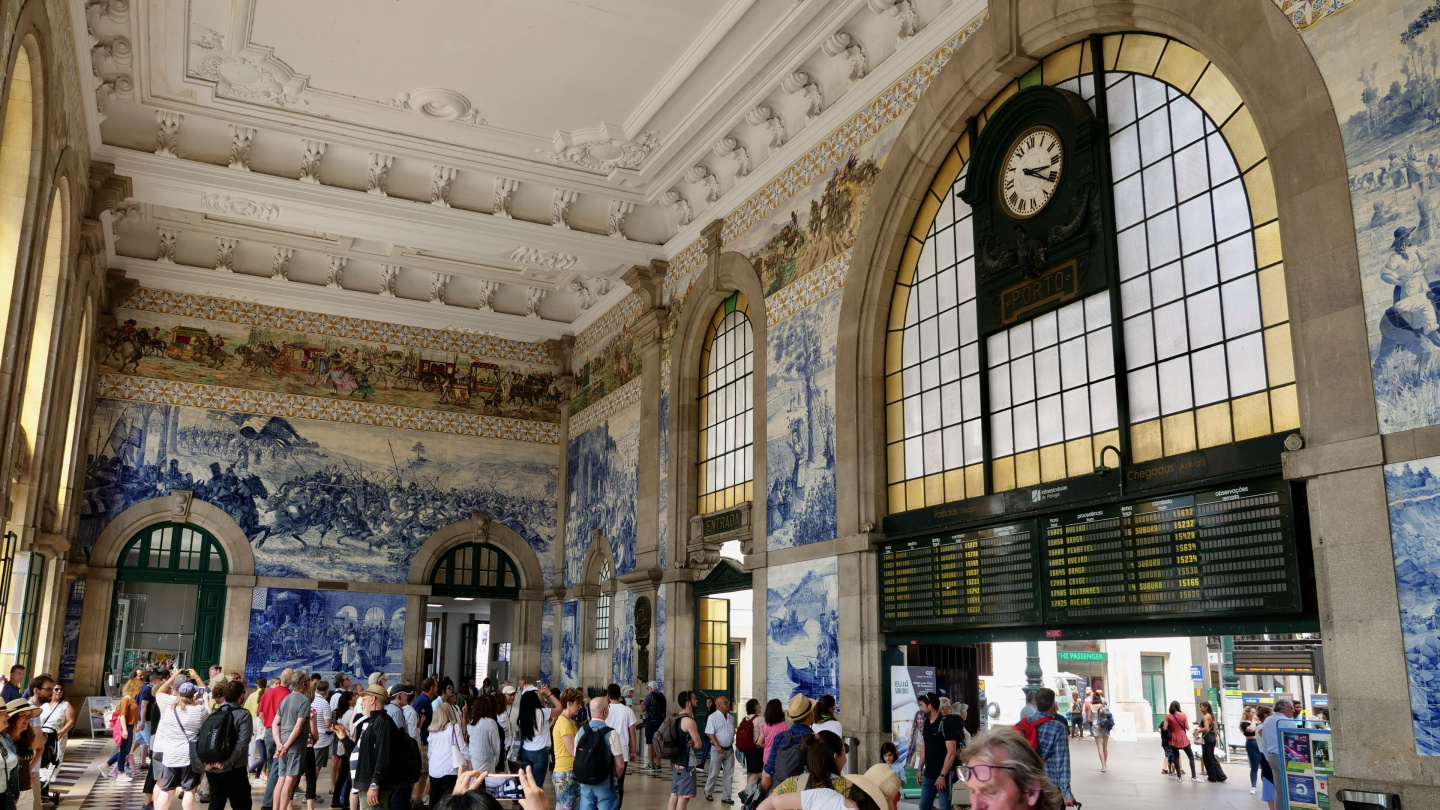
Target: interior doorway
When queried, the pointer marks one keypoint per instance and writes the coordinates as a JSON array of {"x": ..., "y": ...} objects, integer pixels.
[
  {"x": 169, "y": 601},
  {"x": 1152, "y": 685},
  {"x": 470, "y": 615},
  {"x": 724, "y": 621}
]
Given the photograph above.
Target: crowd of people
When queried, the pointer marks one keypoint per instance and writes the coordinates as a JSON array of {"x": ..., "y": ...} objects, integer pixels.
[{"x": 35, "y": 722}]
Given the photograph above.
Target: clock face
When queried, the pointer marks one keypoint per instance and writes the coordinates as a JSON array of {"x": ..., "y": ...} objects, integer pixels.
[{"x": 1031, "y": 172}]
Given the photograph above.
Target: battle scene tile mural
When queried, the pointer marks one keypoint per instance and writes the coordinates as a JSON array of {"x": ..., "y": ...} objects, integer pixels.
[
  {"x": 1413, "y": 490},
  {"x": 570, "y": 643},
  {"x": 802, "y": 645},
  {"x": 800, "y": 426},
  {"x": 1380, "y": 68},
  {"x": 602, "y": 485},
  {"x": 318, "y": 500},
  {"x": 326, "y": 632},
  {"x": 288, "y": 361}
]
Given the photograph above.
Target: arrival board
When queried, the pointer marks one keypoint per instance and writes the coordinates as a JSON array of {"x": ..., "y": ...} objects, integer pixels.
[{"x": 1228, "y": 551}]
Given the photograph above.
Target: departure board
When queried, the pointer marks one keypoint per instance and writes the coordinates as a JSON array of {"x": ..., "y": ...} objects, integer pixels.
[{"x": 1228, "y": 551}]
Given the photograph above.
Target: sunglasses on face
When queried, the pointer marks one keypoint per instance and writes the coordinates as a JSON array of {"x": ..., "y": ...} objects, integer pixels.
[{"x": 983, "y": 772}]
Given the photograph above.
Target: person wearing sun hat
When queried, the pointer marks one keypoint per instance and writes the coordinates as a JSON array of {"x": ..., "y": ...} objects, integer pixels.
[
  {"x": 800, "y": 713},
  {"x": 875, "y": 789}
]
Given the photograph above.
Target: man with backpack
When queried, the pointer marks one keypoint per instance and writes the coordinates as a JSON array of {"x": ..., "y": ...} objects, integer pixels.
[
  {"x": 223, "y": 745},
  {"x": 1049, "y": 737},
  {"x": 599, "y": 759},
  {"x": 787, "y": 758},
  {"x": 654, "y": 706},
  {"x": 940, "y": 741},
  {"x": 677, "y": 740}
]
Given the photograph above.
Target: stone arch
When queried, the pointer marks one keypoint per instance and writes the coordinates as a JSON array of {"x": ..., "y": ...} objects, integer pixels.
[
  {"x": 724, "y": 273},
  {"x": 179, "y": 506},
  {"x": 1282, "y": 86},
  {"x": 599, "y": 552},
  {"x": 478, "y": 528}
]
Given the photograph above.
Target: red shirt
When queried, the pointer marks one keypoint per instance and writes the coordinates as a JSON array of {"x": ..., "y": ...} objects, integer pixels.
[{"x": 270, "y": 703}]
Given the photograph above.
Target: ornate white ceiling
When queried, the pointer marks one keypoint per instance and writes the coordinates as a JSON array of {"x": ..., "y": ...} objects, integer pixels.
[{"x": 528, "y": 150}]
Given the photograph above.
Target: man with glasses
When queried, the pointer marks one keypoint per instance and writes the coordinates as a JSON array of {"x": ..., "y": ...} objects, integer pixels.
[
  {"x": 940, "y": 743},
  {"x": 41, "y": 686}
]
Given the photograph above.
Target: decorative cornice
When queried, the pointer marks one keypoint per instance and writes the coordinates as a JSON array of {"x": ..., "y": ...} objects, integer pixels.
[
  {"x": 226, "y": 205},
  {"x": 607, "y": 155},
  {"x": 247, "y": 313},
  {"x": 1305, "y": 13},
  {"x": 601, "y": 410},
  {"x": 297, "y": 406}
]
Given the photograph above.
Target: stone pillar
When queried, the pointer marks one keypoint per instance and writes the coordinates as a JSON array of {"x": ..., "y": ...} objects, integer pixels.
[
  {"x": 861, "y": 666},
  {"x": 94, "y": 631},
  {"x": 235, "y": 637},
  {"x": 644, "y": 584},
  {"x": 417, "y": 611},
  {"x": 648, "y": 282},
  {"x": 525, "y": 643},
  {"x": 51, "y": 605},
  {"x": 556, "y": 598},
  {"x": 679, "y": 631}
]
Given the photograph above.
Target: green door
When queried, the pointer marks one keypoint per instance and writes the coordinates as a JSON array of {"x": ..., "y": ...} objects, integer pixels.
[
  {"x": 209, "y": 626},
  {"x": 713, "y": 653},
  {"x": 1152, "y": 682}
]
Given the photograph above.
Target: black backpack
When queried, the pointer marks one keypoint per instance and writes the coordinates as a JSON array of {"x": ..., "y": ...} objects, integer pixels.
[
  {"x": 658, "y": 707},
  {"x": 594, "y": 764},
  {"x": 407, "y": 760},
  {"x": 789, "y": 756},
  {"x": 218, "y": 736}
]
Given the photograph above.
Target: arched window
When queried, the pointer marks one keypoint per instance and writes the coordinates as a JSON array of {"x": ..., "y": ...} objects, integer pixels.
[
  {"x": 602, "y": 610},
  {"x": 475, "y": 569},
  {"x": 43, "y": 330},
  {"x": 1201, "y": 306},
  {"x": 16, "y": 158},
  {"x": 72, "y": 427},
  {"x": 168, "y": 552},
  {"x": 726, "y": 407}
]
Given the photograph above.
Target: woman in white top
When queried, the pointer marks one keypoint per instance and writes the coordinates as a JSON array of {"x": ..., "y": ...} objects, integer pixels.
[
  {"x": 180, "y": 719},
  {"x": 534, "y": 728},
  {"x": 484, "y": 734},
  {"x": 447, "y": 737},
  {"x": 59, "y": 717},
  {"x": 825, "y": 711}
]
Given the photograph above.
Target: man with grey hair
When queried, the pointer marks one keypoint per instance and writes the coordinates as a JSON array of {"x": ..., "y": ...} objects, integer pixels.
[
  {"x": 601, "y": 796},
  {"x": 1270, "y": 737}
]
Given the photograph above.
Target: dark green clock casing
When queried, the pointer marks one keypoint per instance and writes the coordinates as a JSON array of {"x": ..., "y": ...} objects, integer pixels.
[{"x": 1028, "y": 265}]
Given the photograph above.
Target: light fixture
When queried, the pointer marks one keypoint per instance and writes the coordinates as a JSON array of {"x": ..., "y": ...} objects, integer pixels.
[
  {"x": 1102, "y": 470},
  {"x": 432, "y": 604},
  {"x": 464, "y": 599}
]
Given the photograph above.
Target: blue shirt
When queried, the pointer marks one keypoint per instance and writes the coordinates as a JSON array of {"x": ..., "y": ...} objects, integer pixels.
[
  {"x": 795, "y": 731},
  {"x": 1270, "y": 733},
  {"x": 9, "y": 692},
  {"x": 422, "y": 708},
  {"x": 1054, "y": 739}
]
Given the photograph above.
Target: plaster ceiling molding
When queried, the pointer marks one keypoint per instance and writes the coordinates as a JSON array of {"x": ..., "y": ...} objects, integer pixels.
[
  {"x": 619, "y": 209},
  {"x": 116, "y": 11},
  {"x": 530, "y": 258},
  {"x": 251, "y": 74},
  {"x": 905, "y": 11},
  {"x": 674, "y": 199},
  {"x": 799, "y": 82},
  {"x": 116, "y": 51},
  {"x": 733, "y": 147},
  {"x": 377, "y": 179},
  {"x": 335, "y": 273},
  {"x": 168, "y": 238},
  {"x": 167, "y": 140},
  {"x": 225, "y": 253},
  {"x": 388, "y": 274},
  {"x": 280, "y": 269},
  {"x": 699, "y": 173},
  {"x": 764, "y": 116},
  {"x": 589, "y": 290},
  {"x": 131, "y": 212},
  {"x": 560, "y": 207},
  {"x": 606, "y": 154},
  {"x": 533, "y": 297},
  {"x": 226, "y": 205},
  {"x": 504, "y": 189},
  {"x": 310, "y": 161},
  {"x": 843, "y": 46},
  {"x": 440, "y": 182},
  {"x": 438, "y": 283},
  {"x": 487, "y": 295},
  {"x": 240, "y": 139},
  {"x": 438, "y": 103}
]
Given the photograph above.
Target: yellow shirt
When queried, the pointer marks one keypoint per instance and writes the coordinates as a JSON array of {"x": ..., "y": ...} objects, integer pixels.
[{"x": 564, "y": 760}]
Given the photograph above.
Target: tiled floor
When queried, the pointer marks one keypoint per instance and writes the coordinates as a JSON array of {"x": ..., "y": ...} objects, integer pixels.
[{"x": 1133, "y": 781}]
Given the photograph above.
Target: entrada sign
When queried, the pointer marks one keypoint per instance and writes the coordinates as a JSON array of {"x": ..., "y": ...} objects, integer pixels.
[{"x": 722, "y": 522}]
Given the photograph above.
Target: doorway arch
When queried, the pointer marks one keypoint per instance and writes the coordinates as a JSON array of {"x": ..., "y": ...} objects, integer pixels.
[
  {"x": 510, "y": 553},
  {"x": 167, "y": 559}
]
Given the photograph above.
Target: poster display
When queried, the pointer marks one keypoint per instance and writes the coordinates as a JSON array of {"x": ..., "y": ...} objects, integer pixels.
[
  {"x": 1308, "y": 763},
  {"x": 99, "y": 708},
  {"x": 907, "y": 684}
]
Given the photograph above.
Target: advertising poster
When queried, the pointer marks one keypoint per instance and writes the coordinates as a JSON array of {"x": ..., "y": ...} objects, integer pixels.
[
  {"x": 99, "y": 708},
  {"x": 907, "y": 684},
  {"x": 1308, "y": 765}
]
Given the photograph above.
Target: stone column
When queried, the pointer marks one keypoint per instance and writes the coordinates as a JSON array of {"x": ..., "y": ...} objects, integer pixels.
[
  {"x": 94, "y": 631},
  {"x": 861, "y": 670},
  {"x": 648, "y": 282},
  {"x": 644, "y": 584},
  {"x": 556, "y": 598},
  {"x": 680, "y": 630},
  {"x": 51, "y": 605},
  {"x": 417, "y": 611},
  {"x": 235, "y": 636},
  {"x": 525, "y": 648}
]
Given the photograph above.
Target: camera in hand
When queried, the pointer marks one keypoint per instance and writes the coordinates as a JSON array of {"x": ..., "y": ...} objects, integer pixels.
[{"x": 504, "y": 787}]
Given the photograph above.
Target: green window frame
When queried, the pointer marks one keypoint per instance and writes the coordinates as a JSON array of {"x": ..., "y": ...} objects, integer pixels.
[{"x": 475, "y": 569}]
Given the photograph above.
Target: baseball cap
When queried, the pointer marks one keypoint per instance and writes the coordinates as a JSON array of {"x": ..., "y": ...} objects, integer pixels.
[
  {"x": 507, "y": 690},
  {"x": 401, "y": 689},
  {"x": 186, "y": 689},
  {"x": 653, "y": 685}
]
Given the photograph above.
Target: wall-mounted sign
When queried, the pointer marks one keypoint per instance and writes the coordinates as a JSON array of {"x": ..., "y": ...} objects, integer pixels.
[
  {"x": 722, "y": 522},
  {"x": 1079, "y": 655},
  {"x": 1276, "y": 662}
]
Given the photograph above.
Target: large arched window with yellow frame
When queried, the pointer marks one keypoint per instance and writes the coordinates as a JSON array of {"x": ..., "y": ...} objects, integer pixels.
[
  {"x": 1200, "y": 310},
  {"x": 727, "y": 406},
  {"x": 17, "y": 159}
]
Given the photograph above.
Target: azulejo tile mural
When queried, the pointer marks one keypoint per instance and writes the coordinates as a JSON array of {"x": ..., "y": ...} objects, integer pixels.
[
  {"x": 547, "y": 640},
  {"x": 282, "y": 359},
  {"x": 802, "y": 645},
  {"x": 1305, "y": 13},
  {"x": 170, "y": 392},
  {"x": 317, "y": 500},
  {"x": 570, "y": 643},
  {"x": 602, "y": 486},
  {"x": 659, "y": 676},
  {"x": 326, "y": 632},
  {"x": 606, "y": 371},
  {"x": 800, "y": 426},
  {"x": 622, "y": 637},
  {"x": 1386, "y": 92},
  {"x": 1413, "y": 490}
]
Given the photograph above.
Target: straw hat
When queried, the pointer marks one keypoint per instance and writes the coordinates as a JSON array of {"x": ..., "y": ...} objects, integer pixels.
[
  {"x": 378, "y": 691},
  {"x": 20, "y": 706},
  {"x": 799, "y": 709},
  {"x": 879, "y": 783}
]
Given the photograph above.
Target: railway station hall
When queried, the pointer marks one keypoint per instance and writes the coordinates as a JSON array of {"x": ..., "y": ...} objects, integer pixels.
[{"x": 719, "y": 404}]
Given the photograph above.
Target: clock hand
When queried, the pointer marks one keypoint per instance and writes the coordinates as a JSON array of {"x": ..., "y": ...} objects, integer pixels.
[{"x": 1036, "y": 172}]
